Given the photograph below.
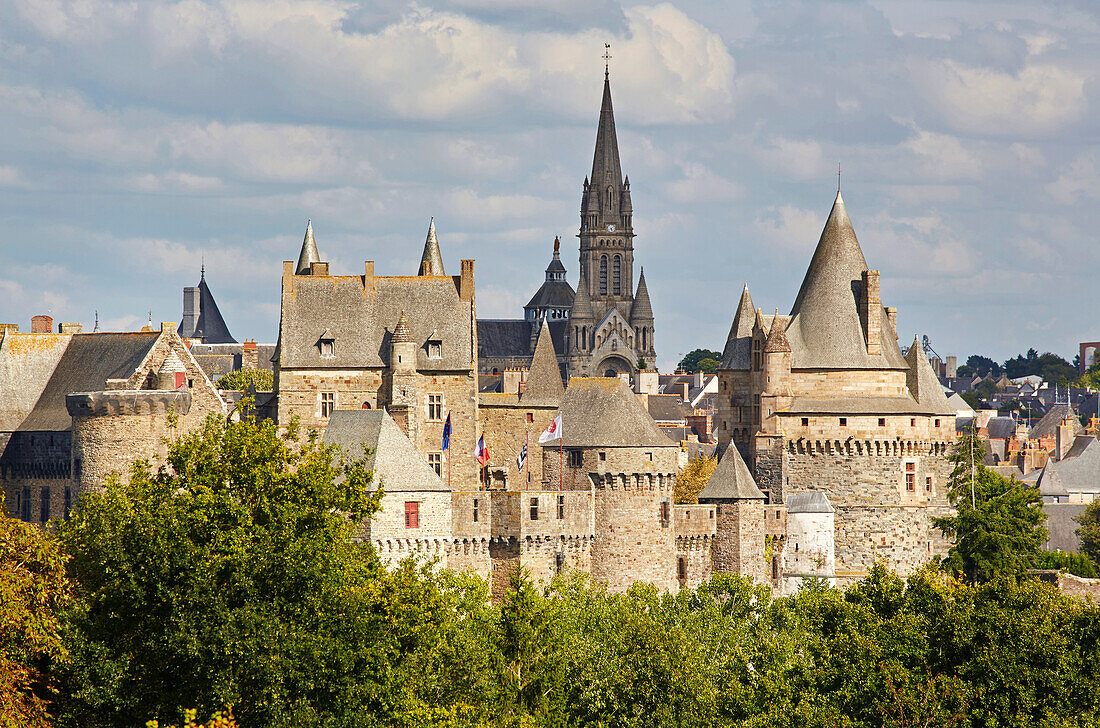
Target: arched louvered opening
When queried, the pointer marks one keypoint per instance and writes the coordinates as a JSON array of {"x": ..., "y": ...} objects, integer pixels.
[
  {"x": 603, "y": 275},
  {"x": 617, "y": 274}
]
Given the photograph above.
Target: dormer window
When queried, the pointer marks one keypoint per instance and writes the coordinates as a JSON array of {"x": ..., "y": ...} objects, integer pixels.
[
  {"x": 435, "y": 349},
  {"x": 326, "y": 344}
]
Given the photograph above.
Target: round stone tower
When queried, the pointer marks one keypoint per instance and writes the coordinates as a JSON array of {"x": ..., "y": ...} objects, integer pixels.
[{"x": 112, "y": 429}]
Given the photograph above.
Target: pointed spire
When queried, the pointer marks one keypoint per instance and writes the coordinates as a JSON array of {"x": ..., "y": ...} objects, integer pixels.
[
  {"x": 606, "y": 170},
  {"x": 431, "y": 263},
  {"x": 543, "y": 385},
  {"x": 923, "y": 384},
  {"x": 402, "y": 334},
  {"x": 309, "y": 254},
  {"x": 738, "y": 350},
  {"x": 582, "y": 303},
  {"x": 642, "y": 311},
  {"x": 731, "y": 480},
  {"x": 777, "y": 338}
]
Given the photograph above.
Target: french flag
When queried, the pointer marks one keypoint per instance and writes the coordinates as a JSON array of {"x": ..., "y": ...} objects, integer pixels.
[{"x": 481, "y": 453}]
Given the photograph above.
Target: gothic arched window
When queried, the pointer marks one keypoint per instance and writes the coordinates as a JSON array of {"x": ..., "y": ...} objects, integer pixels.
[
  {"x": 603, "y": 275},
  {"x": 609, "y": 197},
  {"x": 617, "y": 275}
]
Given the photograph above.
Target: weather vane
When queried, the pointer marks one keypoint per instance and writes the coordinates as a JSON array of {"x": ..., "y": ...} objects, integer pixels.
[
  {"x": 838, "y": 176},
  {"x": 606, "y": 58}
]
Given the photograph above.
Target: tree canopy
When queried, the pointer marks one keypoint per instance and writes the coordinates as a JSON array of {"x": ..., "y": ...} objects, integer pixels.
[
  {"x": 243, "y": 379},
  {"x": 701, "y": 360}
]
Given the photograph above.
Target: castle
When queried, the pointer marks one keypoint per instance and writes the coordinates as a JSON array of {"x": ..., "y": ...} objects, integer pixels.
[{"x": 832, "y": 441}]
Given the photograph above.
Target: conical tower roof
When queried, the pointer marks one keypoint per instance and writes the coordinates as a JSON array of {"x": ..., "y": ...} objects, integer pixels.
[
  {"x": 210, "y": 327},
  {"x": 825, "y": 330},
  {"x": 642, "y": 309},
  {"x": 431, "y": 263},
  {"x": 738, "y": 349},
  {"x": 605, "y": 160},
  {"x": 923, "y": 383},
  {"x": 777, "y": 337},
  {"x": 543, "y": 386},
  {"x": 731, "y": 480},
  {"x": 309, "y": 252},
  {"x": 402, "y": 334},
  {"x": 582, "y": 303}
]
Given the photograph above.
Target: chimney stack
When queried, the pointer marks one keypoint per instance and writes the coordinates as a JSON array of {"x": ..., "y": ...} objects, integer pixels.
[
  {"x": 871, "y": 312},
  {"x": 42, "y": 324}
]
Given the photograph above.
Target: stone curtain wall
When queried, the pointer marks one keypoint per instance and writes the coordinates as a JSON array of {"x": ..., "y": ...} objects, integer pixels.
[
  {"x": 694, "y": 526},
  {"x": 36, "y": 461},
  {"x": 299, "y": 393},
  {"x": 504, "y": 424},
  {"x": 431, "y": 537}
]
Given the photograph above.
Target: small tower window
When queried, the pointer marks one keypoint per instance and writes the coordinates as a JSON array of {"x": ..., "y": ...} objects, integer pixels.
[
  {"x": 534, "y": 509},
  {"x": 327, "y": 346},
  {"x": 412, "y": 514},
  {"x": 603, "y": 275},
  {"x": 616, "y": 277},
  {"x": 435, "y": 349}
]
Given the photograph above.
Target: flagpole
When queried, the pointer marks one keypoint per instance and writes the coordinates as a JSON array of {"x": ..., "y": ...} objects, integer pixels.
[{"x": 561, "y": 462}]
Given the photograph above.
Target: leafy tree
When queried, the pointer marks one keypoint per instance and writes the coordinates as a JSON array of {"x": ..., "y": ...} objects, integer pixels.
[
  {"x": 1076, "y": 564},
  {"x": 243, "y": 379},
  {"x": 34, "y": 593},
  {"x": 963, "y": 371},
  {"x": 998, "y": 523},
  {"x": 983, "y": 365},
  {"x": 693, "y": 478},
  {"x": 229, "y": 577},
  {"x": 985, "y": 389},
  {"x": 693, "y": 360},
  {"x": 1089, "y": 532},
  {"x": 973, "y": 399}
]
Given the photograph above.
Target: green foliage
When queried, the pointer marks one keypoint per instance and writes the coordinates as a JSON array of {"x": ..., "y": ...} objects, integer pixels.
[
  {"x": 985, "y": 389},
  {"x": 1089, "y": 532},
  {"x": 1051, "y": 367},
  {"x": 34, "y": 594},
  {"x": 227, "y": 578},
  {"x": 694, "y": 361},
  {"x": 243, "y": 379},
  {"x": 998, "y": 524},
  {"x": 1076, "y": 564},
  {"x": 693, "y": 479},
  {"x": 982, "y": 365}
]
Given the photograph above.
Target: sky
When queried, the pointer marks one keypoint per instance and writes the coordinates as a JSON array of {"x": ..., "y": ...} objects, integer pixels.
[{"x": 141, "y": 139}]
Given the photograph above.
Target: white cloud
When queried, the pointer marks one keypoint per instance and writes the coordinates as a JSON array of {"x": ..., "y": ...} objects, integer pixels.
[
  {"x": 800, "y": 159},
  {"x": 9, "y": 176},
  {"x": 790, "y": 228},
  {"x": 701, "y": 184},
  {"x": 943, "y": 157},
  {"x": 1075, "y": 180}
]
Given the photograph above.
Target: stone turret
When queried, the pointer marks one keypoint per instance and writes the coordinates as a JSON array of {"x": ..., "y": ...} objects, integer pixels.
[
  {"x": 431, "y": 262},
  {"x": 402, "y": 377},
  {"x": 738, "y": 546}
]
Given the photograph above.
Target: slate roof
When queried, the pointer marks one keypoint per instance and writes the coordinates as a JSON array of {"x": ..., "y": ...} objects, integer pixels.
[
  {"x": 543, "y": 386},
  {"x": 309, "y": 252},
  {"x": 26, "y": 363},
  {"x": 825, "y": 331},
  {"x": 809, "y": 502},
  {"x": 1048, "y": 426},
  {"x": 603, "y": 412},
  {"x": 1001, "y": 428},
  {"x": 209, "y": 325},
  {"x": 923, "y": 383},
  {"x": 431, "y": 262},
  {"x": 360, "y": 321},
  {"x": 738, "y": 351},
  {"x": 397, "y": 464},
  {"x": 88, "y": 362},
  {"x": 731, "y": 480},
  {"x": 777, "y": 339},
  {"x": 667, "y": 408},
  {"x": 511, "y": 338},
  {"x": 582, "y": 303},
  {"x": 552, "y": 294},
  {"x": 1077, "y": 472},
  {"x": 605, "y": 158}
]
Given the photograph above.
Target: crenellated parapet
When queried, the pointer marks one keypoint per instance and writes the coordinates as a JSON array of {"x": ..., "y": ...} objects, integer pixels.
[{"x": 128, "y": 402}]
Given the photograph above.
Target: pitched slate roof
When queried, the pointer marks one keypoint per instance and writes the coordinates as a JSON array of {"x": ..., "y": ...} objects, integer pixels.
[
  {"x": 923, "y": 383},
  {"x": 1077, "y": 472},
  {"x": 1001, "y": 428},
  {"x": 825, "y": 330},
  {"x": 603, "y": 412},
  {"x": 511, "y": 338},
  {"x": 642, "y": 310},
  {"x": 552, "y": 294},
  {"x": 543, "y": 386},
  {"x": 27, "y": 362},
  {"x": 777, "y": 338},
  {"x": 209, "y": 326},
  {"x": 309, "y": 252},
  {"x": 431, "y": 262},
  {"x": 809, "y": 502},
  {"x": 88, "y": 362},
  {"x": 667, "y": 408},
  {"x": 731, "y": 480},
  {"x": 582, "y": 303},
  {"x": 359, "y": 321},
  {"x": 1048, "y": 426},
  {"x": 738, "y": 350},
  {"x": 397, "y": 464}
]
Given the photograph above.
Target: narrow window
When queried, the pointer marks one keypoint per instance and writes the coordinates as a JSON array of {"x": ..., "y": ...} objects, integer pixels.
[
  {"x": 910, "y": 477},
  {"x": 475, "y": 510},
  {"x": 912, "y": 421},
  {"x": 412, "y": 514},
  {"x": 616, "y": 275},
  {"x": 44, "y": 513},
  {"x": 26, "y": 504},
  {"x": 561, "y": 507},
  {"x": 328, "y": 348},
  {"x": 530, "y": 417},
  {"x": 574, "y": 458},
  {"x": 534, "y": 509},
  {"x": 805, "y": 421},
  {"x": 681, "y": 569},
  {"x": 435, "y": 349},
  {"x": 937, "y": 425},
  {"x": 435, "y": 459},
  {"x": 882, "y": 422},
  {"x": 664, "y": 513},
  {"x": 649, "y": 456},
  {"x": 435, "y": 407},
  {"x": 603, "y": 275},
  {"x": 843, "y": 421},
  {"x": 328, "y": 403},
  {"x": 603, "y": 457},
  {"x": 928, "y": 485}
]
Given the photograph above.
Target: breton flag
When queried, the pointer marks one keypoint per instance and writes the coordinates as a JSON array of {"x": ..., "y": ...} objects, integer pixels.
[
  {"x": 447, "y": 432},
  {"x": 552, "y": 432},
  {"x": 481, "y": 453},
  {"x": 522, "y": 459}
]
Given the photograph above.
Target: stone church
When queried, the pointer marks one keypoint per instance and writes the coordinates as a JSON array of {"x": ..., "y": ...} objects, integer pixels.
[{"x": 606, "y": 327}]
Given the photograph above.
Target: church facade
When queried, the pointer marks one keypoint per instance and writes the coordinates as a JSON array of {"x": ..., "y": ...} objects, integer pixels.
[{"x": 605, "y": 327}]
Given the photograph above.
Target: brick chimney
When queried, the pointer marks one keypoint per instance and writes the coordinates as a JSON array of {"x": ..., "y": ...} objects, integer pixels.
[
  {"x": 42, "y": 324},
  {"x": 250, "y": 355},
  {"x": 466, "y": 281},
  {"x": 871, "y": 312}
]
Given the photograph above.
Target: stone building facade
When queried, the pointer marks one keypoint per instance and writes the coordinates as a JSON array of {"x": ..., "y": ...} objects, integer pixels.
[{"x": 823, "y": 400}]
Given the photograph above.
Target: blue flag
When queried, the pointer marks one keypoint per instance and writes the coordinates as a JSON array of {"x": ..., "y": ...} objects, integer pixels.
[{"x": 447, "y": 432}]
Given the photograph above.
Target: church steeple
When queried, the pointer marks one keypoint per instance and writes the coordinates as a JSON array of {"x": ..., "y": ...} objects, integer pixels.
[{"x": 431, "y": 262}]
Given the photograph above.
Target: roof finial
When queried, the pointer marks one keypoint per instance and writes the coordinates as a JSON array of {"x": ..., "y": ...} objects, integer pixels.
[
  {"x": 96, "y": 321},
  {"x": 557, "y": 245},
  {"x": 606, "y": 60},
  {"x": 202, "y": 268},
  {"x": 838, "y": 177}
]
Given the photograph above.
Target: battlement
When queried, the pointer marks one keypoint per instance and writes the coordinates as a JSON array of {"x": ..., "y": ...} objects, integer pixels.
[{"x": 128, "y": 402}]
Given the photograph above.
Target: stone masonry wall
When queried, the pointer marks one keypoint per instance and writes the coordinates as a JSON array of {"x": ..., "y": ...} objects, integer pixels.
[
  {"x": 694, "y": 526},
  {"x": 738, "y": 545},
  {"x": 504, "y": 425},
  {"x": 37, "y": 465},
  {"x": 300, "y": 393},
  {"x": 430, "y": 538}
]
